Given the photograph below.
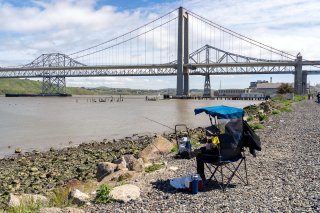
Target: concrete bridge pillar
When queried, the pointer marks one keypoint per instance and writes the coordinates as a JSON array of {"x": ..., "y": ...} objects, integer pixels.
[
  {"x": 298, "y": 89},
  {"x": 207, "y": 86},
  {"x": 304, "y": 83},
  {"x": 183, "y": 54}
]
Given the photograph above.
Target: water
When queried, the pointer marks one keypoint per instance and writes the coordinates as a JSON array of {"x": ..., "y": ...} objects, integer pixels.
[{"x": 40, "y": 123}]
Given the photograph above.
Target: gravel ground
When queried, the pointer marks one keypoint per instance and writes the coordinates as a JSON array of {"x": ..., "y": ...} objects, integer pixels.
[{"x": 284, "y": 177}]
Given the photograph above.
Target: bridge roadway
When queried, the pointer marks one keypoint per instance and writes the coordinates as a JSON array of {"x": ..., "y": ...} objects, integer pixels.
[{"x": 283, "y": 67}]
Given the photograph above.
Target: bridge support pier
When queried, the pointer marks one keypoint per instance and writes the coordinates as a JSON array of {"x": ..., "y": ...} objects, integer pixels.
[
  {"x": 298, "y": 79},
  {"x": 207, "y": 85},
  {"x": 183, "y": 54},
  {"x": 304, "y": 83},
  {"x": 53, "y": 85}
]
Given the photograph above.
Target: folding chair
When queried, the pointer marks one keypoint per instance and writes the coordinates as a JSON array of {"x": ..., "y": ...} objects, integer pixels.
[
  {"x": 227, "y": 157},
  {"x": 232, "y": 167}
]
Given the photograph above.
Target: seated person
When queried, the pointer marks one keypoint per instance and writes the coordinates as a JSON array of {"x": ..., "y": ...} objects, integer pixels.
[
  {"x": 234, "y": 128},
  {"x": 227, "y": 149}
]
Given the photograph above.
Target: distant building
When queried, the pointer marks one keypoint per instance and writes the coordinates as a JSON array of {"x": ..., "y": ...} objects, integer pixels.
[
  {"x": 268, "y": 89},
  {"x": 229, "y": 92},
  {"x": 253, "y": 84}
]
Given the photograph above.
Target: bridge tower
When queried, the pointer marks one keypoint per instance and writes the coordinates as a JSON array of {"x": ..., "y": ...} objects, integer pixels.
[
  {"x": 207, "y": 86},
  {"x": 183, "y": 54},
  {"x": 298, "y": 78}
]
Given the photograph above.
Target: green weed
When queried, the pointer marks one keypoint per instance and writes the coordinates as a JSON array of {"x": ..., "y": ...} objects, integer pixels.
[
  {"x": 256, "y": 126},
  {"x": 152, "y": 168},
  {"x": 103, "y": 194}
]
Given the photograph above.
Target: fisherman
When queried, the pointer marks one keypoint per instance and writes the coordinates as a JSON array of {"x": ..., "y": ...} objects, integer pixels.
[{"x": 318, "y": 97}]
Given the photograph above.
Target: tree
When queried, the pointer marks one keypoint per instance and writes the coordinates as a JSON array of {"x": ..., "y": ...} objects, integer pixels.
[{"x": 285, "y": 88}]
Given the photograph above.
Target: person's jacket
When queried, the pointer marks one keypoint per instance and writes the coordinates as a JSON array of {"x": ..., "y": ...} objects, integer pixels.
[{"x": 250, "y": 139}]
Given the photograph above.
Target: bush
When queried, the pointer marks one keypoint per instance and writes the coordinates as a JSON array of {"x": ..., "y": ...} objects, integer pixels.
[
  {"x": 285, "y": 88},
  {"x": 286, "y": 109},
  {"x": 275, "y": 112},
  {"x": 152, "y": 168},
  {"x": 256, "y": 126},
  {"x": 103, "y": 194},
  {"x": 250, "y": 118},
  {"x": 263, "y": 117}
]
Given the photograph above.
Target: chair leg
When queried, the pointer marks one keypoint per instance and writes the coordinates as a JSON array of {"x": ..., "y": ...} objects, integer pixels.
[{"x": 245, "y": 168}]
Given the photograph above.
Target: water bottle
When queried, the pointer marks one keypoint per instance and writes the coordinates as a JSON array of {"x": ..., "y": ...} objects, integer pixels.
[{"x": 194, "y": 184}]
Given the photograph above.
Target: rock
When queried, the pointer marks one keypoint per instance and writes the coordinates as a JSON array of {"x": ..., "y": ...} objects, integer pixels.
[
  {"x": 18, "y": 200},
  {"x": 125, "y": 193},
  {"x": 59, "y": 210},
  {"x": 118, "y": 176},
  {"x": 50, "y": 210},
  {"x": 72, "y": 210},
  {"x": 104, "y": 169},
  {"x": 173, "y": 168},
  {"x": 133, "y": 164},
  {"x": 121, "y": 164},
  {"x": 33, "y": 169},
  {"x": 18, "y": 150},
  {"x": 159, "y": 145},
  {"x": 78, "y": 197}
]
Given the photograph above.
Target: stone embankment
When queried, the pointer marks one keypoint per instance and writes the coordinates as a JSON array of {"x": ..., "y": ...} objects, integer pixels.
[{"x": 284, "y": 177}]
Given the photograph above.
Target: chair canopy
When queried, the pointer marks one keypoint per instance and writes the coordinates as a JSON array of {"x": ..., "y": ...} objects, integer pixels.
[{"x": 222, "y": 112}]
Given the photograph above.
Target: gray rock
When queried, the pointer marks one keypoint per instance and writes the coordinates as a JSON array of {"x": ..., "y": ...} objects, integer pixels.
[
  {"x": 133, "y": 164},
  {"x": 16, "y": 200},
  {"x": 73, "y": 210},
  {"x": 18, "y": 150},
  {"x": 104, "y": 169},
  {"x": 50, "y": 210},
  {"x": 125, "y": 193},
  {"x": 79, "y": 198}
]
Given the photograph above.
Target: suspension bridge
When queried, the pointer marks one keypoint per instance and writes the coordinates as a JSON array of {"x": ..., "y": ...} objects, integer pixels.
[{"x": 179, "y": 43}]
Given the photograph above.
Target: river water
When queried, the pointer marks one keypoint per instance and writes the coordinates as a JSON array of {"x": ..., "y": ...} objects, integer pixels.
[{"x": 40, "y": 122}]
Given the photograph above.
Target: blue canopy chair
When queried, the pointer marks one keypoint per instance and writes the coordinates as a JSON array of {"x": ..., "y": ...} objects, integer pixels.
[{"x": 229, "y": 150}]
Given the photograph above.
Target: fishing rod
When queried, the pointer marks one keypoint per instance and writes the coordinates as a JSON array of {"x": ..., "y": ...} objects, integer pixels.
[{"x": 159, "y": 123}]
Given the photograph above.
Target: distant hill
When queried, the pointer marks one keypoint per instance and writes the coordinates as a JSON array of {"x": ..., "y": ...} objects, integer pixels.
[{"x": 25, "y": 86}]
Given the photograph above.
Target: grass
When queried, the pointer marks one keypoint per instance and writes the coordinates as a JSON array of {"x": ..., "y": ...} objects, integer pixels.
[
  {"x": 250, "y": 118},
  {"x": 286, "y": 109},
  {"x": 103, "y": 194},
  {"x": 25, "y": 86},
  {"x": 256, "y": 126},
  {"x": 298, "y": 98},
  {"x": 59, "y": 197},
  {"x": 26, "y": 208},
  {"x": 263, "y": 117},
  {"x": 275, "y": 112},
  {"x": 152, "y": 168}
]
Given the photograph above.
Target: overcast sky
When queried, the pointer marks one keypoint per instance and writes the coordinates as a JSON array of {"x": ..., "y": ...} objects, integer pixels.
[{"x": 30, "y": 28}]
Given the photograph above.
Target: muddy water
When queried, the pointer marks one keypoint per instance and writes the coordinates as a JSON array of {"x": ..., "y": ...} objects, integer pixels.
[{"x": 40, "y": 123}]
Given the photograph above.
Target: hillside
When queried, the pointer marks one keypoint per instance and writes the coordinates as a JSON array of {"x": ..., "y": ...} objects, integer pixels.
[{"x": 26, "y": 86}]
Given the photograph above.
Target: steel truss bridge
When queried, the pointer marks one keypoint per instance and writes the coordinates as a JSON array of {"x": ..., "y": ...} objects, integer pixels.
[{"x": 130, "y": 55}]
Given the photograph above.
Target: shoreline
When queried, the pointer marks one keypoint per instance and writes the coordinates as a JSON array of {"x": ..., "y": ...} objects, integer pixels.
[{"x": 39, "y": 172}]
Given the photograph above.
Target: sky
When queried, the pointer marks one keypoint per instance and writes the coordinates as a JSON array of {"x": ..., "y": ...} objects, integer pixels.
[{"x": 32, "y": 27}]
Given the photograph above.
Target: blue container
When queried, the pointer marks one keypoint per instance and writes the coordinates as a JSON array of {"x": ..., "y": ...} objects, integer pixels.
[
  {"x": 188, "y": 146},
  {"x": 195, "y": 184}
]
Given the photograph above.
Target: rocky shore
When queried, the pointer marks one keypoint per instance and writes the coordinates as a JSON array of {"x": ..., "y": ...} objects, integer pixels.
[
  {"x": 283, "y": 177},
  {"x": 38, "y": 172}
]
